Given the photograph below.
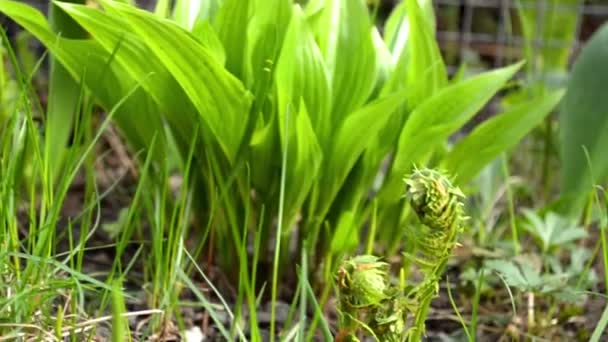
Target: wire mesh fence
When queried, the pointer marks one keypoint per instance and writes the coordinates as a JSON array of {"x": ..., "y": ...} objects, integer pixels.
[{"x": 490, "y": 33}]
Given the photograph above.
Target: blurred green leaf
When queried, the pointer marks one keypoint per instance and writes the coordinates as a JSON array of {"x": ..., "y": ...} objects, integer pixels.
[
  {"x": 584, "y": 123},
  {"x": 509, "y": 270},
  {"x": 346, "y": 234},
  {"x": 416, "y": 58},
  {"x": 206, "y": 35},
  {"x": 523, "y": 276},
  {"x": 231, "y": 27},
  {"x": 554, "y": 230},
  {"x": 557, "y": 20},
  {"x": 188, "y": 13},
  {"x": 426, "y": 73}
]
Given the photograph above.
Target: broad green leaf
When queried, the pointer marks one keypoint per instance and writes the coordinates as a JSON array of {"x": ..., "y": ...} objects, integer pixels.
[
  {"x": 266, "y": 33},
  {"x": 349, "y": 142},
  {"x": 416, "y": 66},
  {"x": 584, "y": 122},
  {"x": 496, "y": 135},
  {"x": 231, "y": 25},
  {"x": 219, "y": 97},
  {"x": 138, "y": 117},
  {"x": 344, "y": 32},
  {"x": 301, "y": 75},
  {"x": 302, "y": 88},
  {"x": 431, "y": 123}
]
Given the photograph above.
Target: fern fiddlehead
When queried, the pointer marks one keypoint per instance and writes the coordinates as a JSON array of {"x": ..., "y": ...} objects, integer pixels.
[{"x": 439, "y": 207}]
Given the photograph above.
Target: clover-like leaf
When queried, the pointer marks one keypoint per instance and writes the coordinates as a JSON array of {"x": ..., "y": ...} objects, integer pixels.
[{"x": 554, "y": 230}]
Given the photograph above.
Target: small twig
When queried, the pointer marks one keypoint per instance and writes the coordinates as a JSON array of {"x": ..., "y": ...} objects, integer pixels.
[
  {"x": 125, "y": 315},
  {"x": 50, "y": 337}
]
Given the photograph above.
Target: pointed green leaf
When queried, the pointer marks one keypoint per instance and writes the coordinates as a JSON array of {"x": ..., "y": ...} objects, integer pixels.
[
  {"x": 434, "y": 120},
  {"x": 496, "y": 135},
  {"x": 349, "y": 142}
]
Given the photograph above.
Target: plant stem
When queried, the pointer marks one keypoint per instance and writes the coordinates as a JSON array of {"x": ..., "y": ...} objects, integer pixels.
[{"x": 514, "y": 234}]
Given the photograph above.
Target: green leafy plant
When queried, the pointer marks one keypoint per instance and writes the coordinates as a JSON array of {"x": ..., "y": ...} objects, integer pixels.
[
  {"x": 318, "y": 81},
  {"x": 554, "y": 231},
  {"x": 526, "y": 277},
  {"x": 280, "y": 118}
]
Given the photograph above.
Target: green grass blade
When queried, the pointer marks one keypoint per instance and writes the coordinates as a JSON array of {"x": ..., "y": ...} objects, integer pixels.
[
  {"x": 600, "y": 328},
  {"x": 278, "y": 236}
]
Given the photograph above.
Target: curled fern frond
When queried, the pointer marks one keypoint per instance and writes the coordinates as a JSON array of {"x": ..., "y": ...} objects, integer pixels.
[
  {"x": 438, "y": 205},
  {"x": 434, "y": 199}
]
